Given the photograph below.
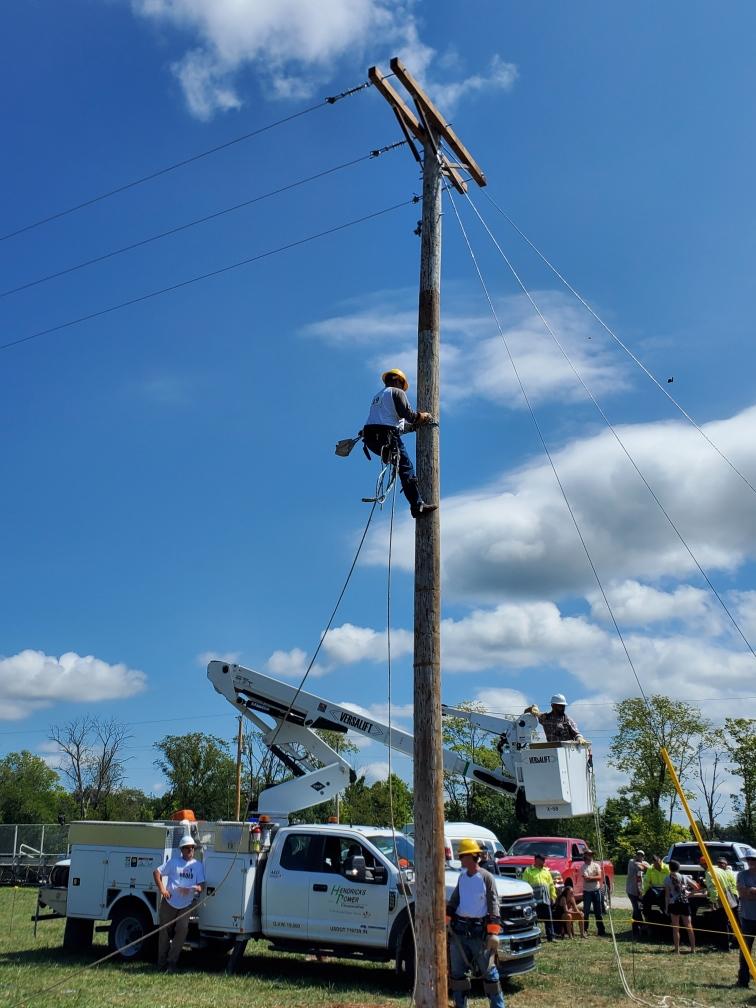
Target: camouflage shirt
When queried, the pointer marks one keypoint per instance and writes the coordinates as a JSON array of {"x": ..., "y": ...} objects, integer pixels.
[{"x": 558, "y": 727}]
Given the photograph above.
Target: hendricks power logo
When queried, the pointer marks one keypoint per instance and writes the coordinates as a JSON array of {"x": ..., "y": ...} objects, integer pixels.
[{"x": 347, "y": 896}]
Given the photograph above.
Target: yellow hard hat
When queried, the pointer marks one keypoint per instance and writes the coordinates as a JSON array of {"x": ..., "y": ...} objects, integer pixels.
[
  {"x": 394, "y": 372},
  {"x": 468, "y": 846}
]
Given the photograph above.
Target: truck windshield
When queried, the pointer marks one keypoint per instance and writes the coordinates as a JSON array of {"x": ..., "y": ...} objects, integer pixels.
[
  {"x": 549, "y": 848},
  {"x": 404, "y": 847}
]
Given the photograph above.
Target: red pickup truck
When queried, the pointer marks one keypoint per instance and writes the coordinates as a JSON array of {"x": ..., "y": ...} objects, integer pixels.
[{"x": 564, "y": 859}]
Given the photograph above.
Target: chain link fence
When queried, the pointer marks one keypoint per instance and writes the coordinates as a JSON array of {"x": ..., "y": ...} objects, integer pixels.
[{"x": 29, "y": 850}]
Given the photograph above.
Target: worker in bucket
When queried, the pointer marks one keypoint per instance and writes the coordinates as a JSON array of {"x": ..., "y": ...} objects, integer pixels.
[
  {"x": 555, "y": 723},
  {"x": 391, "y": 415},
  {"x": 180, "y": 881},
  {"x": 474, "y": 925}
]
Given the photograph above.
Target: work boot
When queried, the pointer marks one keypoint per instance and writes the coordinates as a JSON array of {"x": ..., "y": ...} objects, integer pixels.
[{"x": 421, "y": 508}]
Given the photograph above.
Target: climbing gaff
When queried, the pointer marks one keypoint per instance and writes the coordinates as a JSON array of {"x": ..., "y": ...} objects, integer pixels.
[{"x": 724, "y": 902}]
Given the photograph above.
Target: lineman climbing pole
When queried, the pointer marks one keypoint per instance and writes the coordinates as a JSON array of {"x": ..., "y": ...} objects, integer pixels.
[{"x": 430, "y": 130}]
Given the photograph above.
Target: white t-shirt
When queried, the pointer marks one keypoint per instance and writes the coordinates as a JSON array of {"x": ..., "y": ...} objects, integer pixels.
[
  {"x": 591, "y": 876},
  {"x": 472, "y": 896},
  {"x": 181, "y": 877}
]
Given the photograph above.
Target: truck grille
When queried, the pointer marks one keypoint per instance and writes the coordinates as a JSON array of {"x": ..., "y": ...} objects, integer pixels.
[
  {"x": 511, "y": 871},
  {"x": 518, "y": 913}
]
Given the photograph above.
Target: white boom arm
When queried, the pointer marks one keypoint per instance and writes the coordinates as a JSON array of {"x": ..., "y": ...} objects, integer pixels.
[{"x": 319, "y": 771}]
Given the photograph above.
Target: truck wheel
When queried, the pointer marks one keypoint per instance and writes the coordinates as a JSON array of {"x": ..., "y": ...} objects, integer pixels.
[
  {"x": 129, "y": 924},
  {"x": 77, "y": 934},
  {"x": 405, "y": 960}
]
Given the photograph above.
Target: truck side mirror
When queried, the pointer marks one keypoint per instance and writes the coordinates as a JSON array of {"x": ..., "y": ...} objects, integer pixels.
[{"x": 354, "y": 868}]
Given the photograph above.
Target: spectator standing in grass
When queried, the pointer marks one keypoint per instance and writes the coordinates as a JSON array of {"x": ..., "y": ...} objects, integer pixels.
[
  {"x": 541, "y": 880},
  {"x": 721, "y": 929},
  {"x": 676, "y": 902},
  {"x": 653, "y": 879},
  {"x": 636, "y": 866},
  {"x": 593, "y": 880},
  {"x": 747, "y": 912}
]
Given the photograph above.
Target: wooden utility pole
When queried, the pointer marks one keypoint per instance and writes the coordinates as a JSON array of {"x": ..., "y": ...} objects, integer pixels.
[
  {"x": 239, "y": 739},
  {"x": 430, "y": 129}
]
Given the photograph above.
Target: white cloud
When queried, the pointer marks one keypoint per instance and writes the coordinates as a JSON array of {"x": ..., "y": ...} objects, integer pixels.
[
  {"x": 204, "y": 83},
  {"x": 348, "y": 644},
  {"x": 500, "y": 75},
  {"x": 31, "y": 680},
  {"x": 502, "y": 700},
  {"x": 373, "y": 772},
  {"x": 287, "y": 663},
  {"x": 520, "y": 636},
  {"x": 474, "y": 361},
  {"x": 516, "y": 539},
  {"x": 294, "y": 44},
  {"x": 205, "y": 657},
  {"x": 640, "y": 605}
]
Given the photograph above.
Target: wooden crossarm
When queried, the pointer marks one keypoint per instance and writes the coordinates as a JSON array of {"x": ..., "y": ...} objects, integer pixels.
[{"x": 436, "y": 120}]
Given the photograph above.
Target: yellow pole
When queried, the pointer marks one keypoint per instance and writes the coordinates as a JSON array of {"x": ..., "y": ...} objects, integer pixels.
[{"x": 710, "y": 866}]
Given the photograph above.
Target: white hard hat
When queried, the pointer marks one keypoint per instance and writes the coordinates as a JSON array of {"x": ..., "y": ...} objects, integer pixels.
[
  {"x": 187, "y": 841},
  {"x": 559, "y": 698}
]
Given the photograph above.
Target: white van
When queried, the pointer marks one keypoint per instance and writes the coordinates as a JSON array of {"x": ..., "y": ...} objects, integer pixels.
[{"x": 455, "y": 832}]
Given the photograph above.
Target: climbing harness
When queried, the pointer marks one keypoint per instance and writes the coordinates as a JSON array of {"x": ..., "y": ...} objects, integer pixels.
[
  {"x": 384, "y": 484},
  {"x": 387, "y": 474}
]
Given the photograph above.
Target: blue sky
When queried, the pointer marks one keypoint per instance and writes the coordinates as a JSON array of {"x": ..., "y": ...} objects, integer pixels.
[{"x": 170, "y": 488}]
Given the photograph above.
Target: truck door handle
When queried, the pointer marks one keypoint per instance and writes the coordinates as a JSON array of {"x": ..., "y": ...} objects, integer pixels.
[{"x": 319, "y": 887}]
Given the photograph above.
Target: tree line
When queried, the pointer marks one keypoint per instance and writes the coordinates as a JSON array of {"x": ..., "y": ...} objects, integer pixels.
[{"x": 716, "y": 766}]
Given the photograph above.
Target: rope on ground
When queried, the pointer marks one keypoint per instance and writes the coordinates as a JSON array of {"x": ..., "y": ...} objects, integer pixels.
[{"x": 621, "y": 344}]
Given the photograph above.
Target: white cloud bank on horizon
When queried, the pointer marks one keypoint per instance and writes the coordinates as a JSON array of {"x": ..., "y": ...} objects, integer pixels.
[
  {"x": 293, "y": 45},
  {"x": 514, "y": 539},
  {"x": 31, "y": 680}
]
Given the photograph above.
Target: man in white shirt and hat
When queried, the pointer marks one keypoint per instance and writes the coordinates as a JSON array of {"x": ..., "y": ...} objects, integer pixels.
[{"x": 180, "y": 880}]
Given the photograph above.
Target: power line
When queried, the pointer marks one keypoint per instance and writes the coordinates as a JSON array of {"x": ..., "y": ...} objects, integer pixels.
[
  {"x": 613, "y": 430},
  {"x": 545, "y": 446},
  {"x": 186, "y": 161},
  {"x": 622, "y": 345},
  {"x": 201, "y": 220},
  {"x": 132, "y": 724},
  {"x": 205, "y": 276}
]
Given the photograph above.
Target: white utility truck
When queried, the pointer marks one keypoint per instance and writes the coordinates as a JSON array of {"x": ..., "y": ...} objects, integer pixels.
[{"x": 345, "y": 891}]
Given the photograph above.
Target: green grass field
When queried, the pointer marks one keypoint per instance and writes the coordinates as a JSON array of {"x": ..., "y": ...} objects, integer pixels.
[{"x": 570, "y": 973}]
